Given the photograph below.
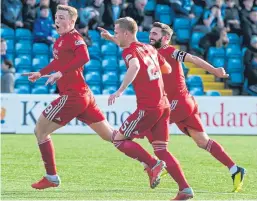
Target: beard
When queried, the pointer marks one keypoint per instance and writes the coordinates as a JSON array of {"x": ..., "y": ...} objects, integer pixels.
[{"x": 158, "y": 43}]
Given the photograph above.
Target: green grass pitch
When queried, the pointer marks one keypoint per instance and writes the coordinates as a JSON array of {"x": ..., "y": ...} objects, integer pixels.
[{"x": 92, "y": 169}]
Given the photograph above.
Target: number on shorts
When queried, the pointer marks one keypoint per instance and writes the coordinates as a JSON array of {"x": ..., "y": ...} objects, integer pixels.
[
  {"x": 124, "y": 125},
  {"x": 152, "y": 70},
  {"x": 48, "y": 109}
]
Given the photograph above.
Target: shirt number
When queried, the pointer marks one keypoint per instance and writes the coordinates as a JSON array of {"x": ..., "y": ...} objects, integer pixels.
[{"x": 152, "y": 69}]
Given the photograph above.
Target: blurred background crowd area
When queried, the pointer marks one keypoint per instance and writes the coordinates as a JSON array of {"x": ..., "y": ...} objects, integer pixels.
[{"x": 224, "y": 33}]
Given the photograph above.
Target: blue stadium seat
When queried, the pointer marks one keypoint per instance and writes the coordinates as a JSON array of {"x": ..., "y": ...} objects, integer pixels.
[
  {"x": 194, "y": 81},
  {"x": 212, "y": 93},
  {"x": 93, "y": 65},
  {"x": 165, "y": 18},
  {"x": 21, "y": 80},
  {"x": 93, "y": 78},
  {"x": 182, "y": 28},
  {"x": 96, "y": 89},
  {"x": 109, "y": 90},
  {"x": 233, "y": 39},
  {"x": 129, "y": 91},
  {"x": 161, "y": 9},
  {"x": 22, "y": 62},
  {"x": 51, "y": 50},
  {"x": 94, "y": 52},
  {"x": 96, "y": 43},
  {"x": 40, "y": 48},
  {"x": 94, "y": 35},
  {"x": 234, "y": 65},
  {"x": 122, "y": 66},
  {"x": 218, "y": 62},
  {"x": 10, "y": 46},
  {"x": 182, "y": 23},
  {"x": 40, "y": 90},
  {"x": 22, "y": 48},
  {"x": 143, "y": 36},
  {"x": 22, "y": 89},
  {"x": 38, "y": 63},
  {"x": 150, "y": 6},
  {"x": 110, "y": 65},
  {"x": 236, "y": 79},
  {"x": 7, "y": 34},
  {"x": 214, "y": 52},
  {"x": 194, "y": 41},
  {"x": 23, "y": 34},
  {"x": 109, "y": 49},
  {"x": 55, "y": 34},
  {"x": 235, "y": 71},
  {"x": 197, "y": 92},
  {"x": 43, "y": 57},
  {"x": 110, "y": 78},
  {"x": 122, "y": 75},
  {"x": 120, "y": 50},
  {"x": 234, "y": 52},
  {"x": 10, "y": 56}
]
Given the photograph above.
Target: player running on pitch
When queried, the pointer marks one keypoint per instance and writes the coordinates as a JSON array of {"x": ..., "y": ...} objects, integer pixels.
[
  {"x": 153, "y": 111},
  {"x": 184, "y": 109}
]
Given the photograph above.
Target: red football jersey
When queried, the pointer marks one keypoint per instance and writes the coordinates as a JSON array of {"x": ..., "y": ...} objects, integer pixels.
[
  {"x": 174, "y": 83},
  {"x": 64, "y": 49},
  {"x": 148, "y": 84}
]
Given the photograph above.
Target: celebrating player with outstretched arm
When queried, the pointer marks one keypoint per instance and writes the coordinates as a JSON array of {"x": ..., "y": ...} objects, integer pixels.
[
  {"x": 144, "y": 72},
  {"x": 184, "y": 109},
  {"x": 76, "y": 99}
]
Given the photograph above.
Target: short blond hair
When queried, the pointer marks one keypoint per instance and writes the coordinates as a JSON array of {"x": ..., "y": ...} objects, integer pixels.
[
  {"x": 73, "y": 13},
  {"x": 128, "y": 24}
]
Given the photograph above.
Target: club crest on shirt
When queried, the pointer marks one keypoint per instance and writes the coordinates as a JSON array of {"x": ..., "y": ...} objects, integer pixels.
[
  {"x": 128, "y": 57},
  {"x": 60, "y": 43},
  {"x": 79, "y": 42}
]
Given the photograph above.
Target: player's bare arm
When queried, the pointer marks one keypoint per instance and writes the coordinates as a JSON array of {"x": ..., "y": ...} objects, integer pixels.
[
  {"x": 166, "y": 68},
  {"x": 128, "y": 79},
  {"x": 219, "y": 72},
  {"x": 107, "y": 36}
]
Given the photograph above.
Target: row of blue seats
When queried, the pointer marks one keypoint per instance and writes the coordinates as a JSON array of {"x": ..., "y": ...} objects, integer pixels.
[
  {"x": 21, "y": 34},
  {"x": 96, "y": 89},
  {"x": 24, "y": 64}
]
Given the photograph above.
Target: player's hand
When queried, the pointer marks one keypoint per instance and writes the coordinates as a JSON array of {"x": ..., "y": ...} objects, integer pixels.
[
  {"x": 220, "y": 72},
  {"x": 111, "y": 99},
  {"x": 53, "y": 78},
  {"x": 105, "y": 34},
  {"x": 32, "y": 76}
]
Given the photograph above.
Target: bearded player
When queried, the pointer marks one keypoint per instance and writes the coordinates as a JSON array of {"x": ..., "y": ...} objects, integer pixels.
[{"x": 184, "y": 109}]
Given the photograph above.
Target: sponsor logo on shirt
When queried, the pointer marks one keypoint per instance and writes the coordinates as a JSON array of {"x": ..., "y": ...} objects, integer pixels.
[
  {"x": 60, "y": 43},
  {"x": 79, "y": 42}
]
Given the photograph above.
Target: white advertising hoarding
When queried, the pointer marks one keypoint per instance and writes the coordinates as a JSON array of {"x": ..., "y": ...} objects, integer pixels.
[{"x": 220, "y": 115}]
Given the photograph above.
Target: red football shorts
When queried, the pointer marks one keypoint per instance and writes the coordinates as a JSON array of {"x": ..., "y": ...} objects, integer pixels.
[
  {"x": 63, "y": 109},
  {"x": 185, "y": 114},
  {"x": 156, "y": 121}
]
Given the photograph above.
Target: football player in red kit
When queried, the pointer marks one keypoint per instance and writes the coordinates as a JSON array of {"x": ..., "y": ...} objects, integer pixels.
[
  {"x": 184, "y": 109},
  {"x": 144, "y": 72},
  {"x": 76, "y": 99}
]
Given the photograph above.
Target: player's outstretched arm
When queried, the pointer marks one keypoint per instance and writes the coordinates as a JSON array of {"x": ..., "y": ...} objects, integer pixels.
[
  {"x": 107, "y": 36},
  {"x": 219, "y": 72}
]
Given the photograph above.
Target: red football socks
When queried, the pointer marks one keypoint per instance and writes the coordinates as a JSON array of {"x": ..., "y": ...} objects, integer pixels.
[
  {"x": 218, "y": 152},
  {"x": 173, "y": 166},
  {"x": 135, "y": 151},
  {"x": 48, "y": 156}
]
